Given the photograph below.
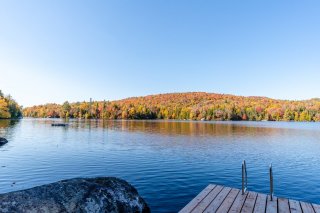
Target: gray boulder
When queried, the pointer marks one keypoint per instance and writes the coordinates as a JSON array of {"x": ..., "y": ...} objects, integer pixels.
[
  {"x": 104, "y": 194},
  {"x": 3, "y": 141}
]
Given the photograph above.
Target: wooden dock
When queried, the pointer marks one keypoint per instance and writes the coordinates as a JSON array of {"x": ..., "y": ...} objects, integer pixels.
[{"x": 215, "y": 198}]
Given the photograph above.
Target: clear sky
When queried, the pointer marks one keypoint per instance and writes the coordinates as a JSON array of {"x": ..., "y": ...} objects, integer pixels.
[{"x": 52, "y": 51}]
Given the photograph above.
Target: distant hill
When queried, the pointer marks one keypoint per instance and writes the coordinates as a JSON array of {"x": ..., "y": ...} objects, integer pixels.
[{"x": 192, "y": 105}]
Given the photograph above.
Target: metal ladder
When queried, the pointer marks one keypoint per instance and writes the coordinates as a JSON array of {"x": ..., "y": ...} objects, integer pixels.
[{"x": 245, "y": 179}]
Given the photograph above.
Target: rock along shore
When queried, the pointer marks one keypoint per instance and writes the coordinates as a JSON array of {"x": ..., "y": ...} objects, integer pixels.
[
  {"x": 3, "y": 141},
  {"x": 103, "y": 194}
]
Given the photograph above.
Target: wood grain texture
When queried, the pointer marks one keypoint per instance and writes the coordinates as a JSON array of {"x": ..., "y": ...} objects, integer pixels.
[
  {"x": 307, "y": 207},
  {"x": 295, "y": 206},
  {"x": 248, "y": 205},
  {"x": 192, "y": 204},
  {"x": 238, "y": 203},
  {"x": 220, "y": 199},
  {"x": 227, "y": 203},
  {"x": 316, "y": 208},
  {"x": 208, "y": 199},
  {"x": 283, "y": 205},
  {"x": 272, "y": 206},
  {"x": 215, "y": 204},
  {"x": 261, "y": 203}
]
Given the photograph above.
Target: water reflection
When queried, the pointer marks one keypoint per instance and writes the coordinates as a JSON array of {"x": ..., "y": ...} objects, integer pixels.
[
  {"x": 7, "y": 127},
  {"x": 189, "y": 128},
  {"x": 5, "y": 123}
]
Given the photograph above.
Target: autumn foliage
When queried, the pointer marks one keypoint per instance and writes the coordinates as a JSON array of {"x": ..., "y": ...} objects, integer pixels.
[
  {"x": 189, "y": 106},
  {"x": 9, "y": 107}
]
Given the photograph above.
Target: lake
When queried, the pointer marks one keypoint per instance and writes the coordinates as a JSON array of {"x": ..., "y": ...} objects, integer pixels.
[{"x": 169, "y": 162}]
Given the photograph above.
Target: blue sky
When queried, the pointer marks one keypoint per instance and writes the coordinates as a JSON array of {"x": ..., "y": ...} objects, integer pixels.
[{"x": 52, "y": 51}]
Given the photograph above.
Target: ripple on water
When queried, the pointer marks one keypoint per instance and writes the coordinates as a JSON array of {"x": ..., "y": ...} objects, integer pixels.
[{"x": 168, "y": 162}]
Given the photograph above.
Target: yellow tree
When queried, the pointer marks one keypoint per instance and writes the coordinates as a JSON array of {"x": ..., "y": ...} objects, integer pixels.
[{"x": 4, "y": 110}]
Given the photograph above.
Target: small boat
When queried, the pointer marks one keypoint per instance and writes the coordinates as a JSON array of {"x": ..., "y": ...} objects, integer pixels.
[{"x": 59, "y": 124}]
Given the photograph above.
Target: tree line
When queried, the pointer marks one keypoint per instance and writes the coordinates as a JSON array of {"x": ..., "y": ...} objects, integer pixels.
[
  {"x": 184, "y": 106},
  {"x": 9, "y": 108}
]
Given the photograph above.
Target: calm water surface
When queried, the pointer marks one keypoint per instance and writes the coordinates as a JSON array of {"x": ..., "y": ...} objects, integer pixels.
[{"x": 169, "y": 162}]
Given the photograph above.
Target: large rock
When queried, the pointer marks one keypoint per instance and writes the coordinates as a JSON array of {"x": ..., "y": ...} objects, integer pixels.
[
  {"x": 3, "y": 141},
  {"x": 105, "y": 194}
]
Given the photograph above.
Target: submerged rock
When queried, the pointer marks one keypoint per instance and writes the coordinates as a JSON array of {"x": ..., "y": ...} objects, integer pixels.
[
  {"x": 3, "y": 141},
  {"x": 105, "y": 194}
]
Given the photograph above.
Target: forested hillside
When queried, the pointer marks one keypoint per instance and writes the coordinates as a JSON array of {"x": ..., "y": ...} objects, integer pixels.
[
  {"x": 9, "y": 107},
  {"x": 193, "y": 106}
]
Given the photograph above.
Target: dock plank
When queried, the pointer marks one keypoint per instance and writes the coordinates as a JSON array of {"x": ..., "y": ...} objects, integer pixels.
[
  {"x": 220, "y": 199},
  {"x": 226, "y": 205},
  {"x": 238, "y": 203},
  {"x": 316, "y": 208},
  {"x": 248, "y": 205},
  {"x": 261, "y": 203},
  {"x": 295, "y": 206},
  {"x": 271, "y": 205},
  {"x": 215, "y": 204},
  {"x": 192, "y": 204},
  {"x": 307, "y": 207},
  {"x": 283, "y": 205},
  {"x": 208, "y": 199}
]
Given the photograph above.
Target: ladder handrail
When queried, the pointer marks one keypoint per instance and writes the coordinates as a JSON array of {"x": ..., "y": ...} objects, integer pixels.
[
  {"x": 271, "y": 181},
  {"x": 244, "y": 177}
]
